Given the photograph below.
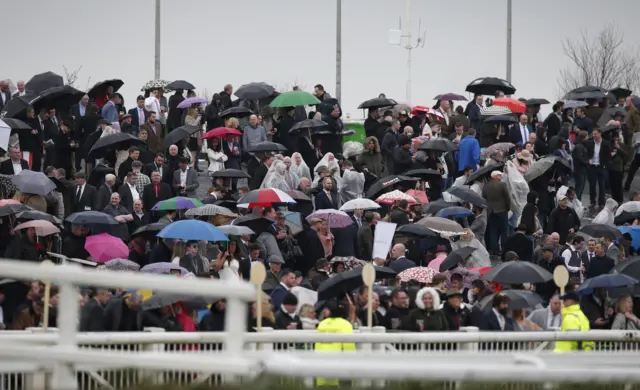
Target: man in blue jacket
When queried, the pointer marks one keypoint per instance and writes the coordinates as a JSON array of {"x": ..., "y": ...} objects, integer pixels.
[{"x": 469, "y": 154}]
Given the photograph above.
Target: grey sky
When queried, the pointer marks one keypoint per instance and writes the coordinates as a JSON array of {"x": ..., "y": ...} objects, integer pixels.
[{"x": 283, "y": 42}]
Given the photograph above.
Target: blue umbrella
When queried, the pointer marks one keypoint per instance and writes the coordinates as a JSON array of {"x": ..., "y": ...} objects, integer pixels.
[
  {"x": 455, "y": 211},
  {"x": 191, "y": 229},
  {"x": 294, "y": 221},
  {"x": 607, "y": 281}
]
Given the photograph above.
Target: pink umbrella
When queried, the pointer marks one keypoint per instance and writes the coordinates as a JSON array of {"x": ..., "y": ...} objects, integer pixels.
[
  {"x": 104, "y": 247},
  {"x": 334, "y": 218},
  {"x": 435, "y": 263},
  {"x": 5, "y": 202},
  {"x": 43, "y": 228}
]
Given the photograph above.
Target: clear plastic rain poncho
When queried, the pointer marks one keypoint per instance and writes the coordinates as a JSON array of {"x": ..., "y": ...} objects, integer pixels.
[
  {"x": 479, "y": 257},
  {"x": 517, "y": 186},
  {"x": 299, "y": 167},
  {"x": 606, "y": 216},
  {"x": 352, "y": 185},
  {"x": 575, "y": 204},
  {"x": 275, "y": 177},
  {"x": 330, "y": 162}
]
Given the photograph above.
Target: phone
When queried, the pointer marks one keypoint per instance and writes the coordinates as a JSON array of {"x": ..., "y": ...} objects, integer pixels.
[{"x": 223, "y": 246}]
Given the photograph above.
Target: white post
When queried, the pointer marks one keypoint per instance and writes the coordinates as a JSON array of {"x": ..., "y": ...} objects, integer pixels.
[
  {"x": 367, "y": 348},
  {"x": 158, "y": 28},
  {"x": 64, "y": 374},
  {"x": 155, "y": 377},
  {"x": 409, "y": 47},
  {"x": 235, "y": 324},
  {"x": 469, "y": 347},
  {"x": 379, "y": 348}
]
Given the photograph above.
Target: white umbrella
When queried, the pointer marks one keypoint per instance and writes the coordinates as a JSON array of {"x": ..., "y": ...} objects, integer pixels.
[
  {"x": 630, "y": 207},
  {"x": 495, "y": 110},
  {"x": 361, "y": 204},
  {"x": 5, "y": 133}
]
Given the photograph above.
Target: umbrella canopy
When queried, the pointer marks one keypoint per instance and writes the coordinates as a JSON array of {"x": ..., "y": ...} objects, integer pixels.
[
  {"x": 506, "y": 119},
  {"x": 177, "y": 135},
  {"x": 607, "y": 281},
  {"x": 221, "y": 132},
  {"x": 495, "y": 110},
  {"x": 16, "y": 124},
  {"x": 503, "y": 147},
  {"x": 377, "y": 103},
  {"x": 266, "y": 147},
  {"x": 416, "y": 230},
  {"x": 235, "y": 230},
  {"x": 308, "y": 124},
  {"x": 104, "y": 247},
  {"x": 180, "y": 84},
  {"x": 238, "y": 112},
  {"x": 518, "y": 299},
  {"x": 629, "y": 267},
  {"x": 489, "y": 86},
  {"x": 294, "y": 99},
  {"x": 163, "y": 268},
  {"x": 118, "y": 140},
  {"x": 518, "y": 272},
  {"x": 536, "y": 101},
  {"x": 483, "y": 172},
  {"x": 418, "y": 110},
  {"x": 334, "y": 218},
  {"x": 395, "y": 196},
  {"x": 255, "y": 91},
  {"x": 631, "y": 206},
  {"x": 437, "y": 205},
  {"x": 388, "y": 181},
  {"x": 455, "y": 211},
  {"x": 32, "y": 215},
  {"x": 31, "y": 182},
  {"x": 177, "y": 203},
  {"x": 43, "y": 228},
  {"x": 422, "y": 275},
  {"x": 188, "y": 102},
  {"x": 13, "y": 208},
  {"x": 626, "y": 217},
  {"x": 609, "y": 114},
  {"x": 210, "y": 210},
  {"x": 586, "y": 92},
  {"x": 43, "y": 81},
  {"x": 467, "y": 196},
  {"x": 155, "y": 84},
  {"x": 360, "y": 204},
  {"x": 191, "y": 229},
  {"x": 60, "y": 98},
  {"x": 264, "y": 197},
  {"x": 231, "y": 173},
  {"x": 439, "y": 145},
  {"x": 573, "y": 104},
  {"x": 455, "y": 258},
  {"x": 255, "y": 222},
  {"x": 601, "y": 230},
  {"x": 299, "y": 196},
  {"x": 91, "y": 218},
  {"x": 424, "y": 174},
  {"x": 122, "y": 265},
  {"x": 514, "y": 105},
  {"x": 441, "y": 225},
  {"x": 345, "y": 282},
  {"x": 149, "y": 231},
  {"x": 538, "y": 168},
  {"x": 349, "y": 262},
  {"x": 620, "y": 92},
  {"x": 450, "y": 96},
  {"x": 100, "y": 88}
]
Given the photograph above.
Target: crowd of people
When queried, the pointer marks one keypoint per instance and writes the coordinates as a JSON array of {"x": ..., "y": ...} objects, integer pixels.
[{"x": 490, "y": 175}]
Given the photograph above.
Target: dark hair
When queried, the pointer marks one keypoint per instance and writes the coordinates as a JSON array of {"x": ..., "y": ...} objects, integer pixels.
[
  {"x": 578, "y": 239},
  {"x": 499, "y": 299},
  {"x": 459, "y": 111},
  {"x": 467, "y": 168},
  {"x": 253, "y": 247},
  {"x": 267, "y": 210},
  {"x": 319, "y": 86},
  {"x": 133, "y": 149},
  {"x": 403, "y": 204},
  {"x": 397, "y": 291},
  {"x": 183, "y": 160},
  {"x": 286, "y": 272},
  {"x": 471, "y": 132},
  {"x": 160, "y": 154},
  {"x": 140, "y": 97},
  {"x": 337, "y": 309},
  {"x": 113, "y": 96},
  {"x": 347, "y": 164},
  {"x": 368, "y": 216}
]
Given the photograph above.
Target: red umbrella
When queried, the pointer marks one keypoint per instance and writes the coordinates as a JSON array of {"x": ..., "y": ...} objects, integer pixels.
[
  {"x": 426, "y": 110},
  {"x": 512, "y": 104},
  {"x": 264, "y": 197},
  {"x": 221, "y": 132}
]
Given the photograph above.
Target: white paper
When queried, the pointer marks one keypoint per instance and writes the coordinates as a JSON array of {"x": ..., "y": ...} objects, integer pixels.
[
  {"x": 5, "y": 133},
  {"x": 383, "y": 239},
  {"x": 305, "y": 296}
]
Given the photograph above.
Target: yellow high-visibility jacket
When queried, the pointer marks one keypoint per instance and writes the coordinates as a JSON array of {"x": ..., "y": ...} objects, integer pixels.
[
  {"x": 574, "y": 320},
  {"x": 333, "y": 325}
]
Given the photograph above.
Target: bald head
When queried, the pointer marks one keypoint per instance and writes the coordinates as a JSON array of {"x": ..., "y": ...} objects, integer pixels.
[
  {"x": 555, "y": 238},
  {"x": 398, "y": 250}
]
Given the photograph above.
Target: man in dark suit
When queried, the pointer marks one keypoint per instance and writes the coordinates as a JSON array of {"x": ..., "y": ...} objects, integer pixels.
[
  {"x": 185, "y": 180},
  {"x": 140, "y": 217},
  {"x": 399, "y": 261},
  {"x": 138, "y": 114},
  {"x": 83, "y": 194},
  {"x": 79, "y": 110},
  {"x": 128, "y": 191},
  {"x": 154, "y": 132},
  {"x": 233, "y": 152},
  {"x": 31, "y": 142},
  {"x": 16, "y": 162},
  {"x": 519, "y": 132},
  {"x": 158, "y": 165},
  {"x": 597, "y": 171},
  {"x": 258, "y": 165},
  {"x": 287, "y": 279},
  {"x": 103, "y": 197},
  {"x": 92, "y": 313},
  {"x": 125, "y": 167},
  {"x": 365, "y": 237},
  {"x": 5, "y": 94},
  {"x": 497, "y": 319},
  {"x": 325, "y": 198},
  {"x": 155, "y": 192}
]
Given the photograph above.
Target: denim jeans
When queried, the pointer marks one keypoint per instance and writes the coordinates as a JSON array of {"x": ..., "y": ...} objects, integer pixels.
[
  {"x": 497, "y": 229},
  {"x": 580, "y": 178},
  {"x": 597, "y": 175}
]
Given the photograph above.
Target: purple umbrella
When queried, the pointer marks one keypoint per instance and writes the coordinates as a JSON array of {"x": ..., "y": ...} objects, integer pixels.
[
  {"x": 450, "y": 96},
  {"x": 335, "y": 218},
  {"x": 177, "y": 203},
  {"x": 163, "y": 268},
  {"x": 186, "y": 103}
]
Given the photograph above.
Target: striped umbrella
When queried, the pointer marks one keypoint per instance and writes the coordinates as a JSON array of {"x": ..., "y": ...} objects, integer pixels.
[
  {"x": 177, "y": 203},
  {"x": 264, "y": 197},
  {"x": 495, "y": 110}
]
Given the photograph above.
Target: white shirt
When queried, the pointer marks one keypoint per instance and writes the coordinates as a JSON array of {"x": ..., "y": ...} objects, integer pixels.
[
  {"x": 553, "y": 320},
  {"x": 17, "y": 167},
  {"x": 134, "y": 192},
  {"x": 567, "y": 258},
  {"x": 524, "y": 133},
  {"x": 152, "y": 104},
  {"x": 596, "y": 153},
  {"x": 183, "y": 177}
]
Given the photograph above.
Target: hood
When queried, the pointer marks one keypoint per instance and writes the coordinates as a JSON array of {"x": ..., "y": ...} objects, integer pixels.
[
  {"x": 335, "y": 325},
  {"x": 532, "y": 197},
  {"x": 434, "y": 294},
  {"x": 372, "y": 139},
  {"x": 611, "y": 205}
]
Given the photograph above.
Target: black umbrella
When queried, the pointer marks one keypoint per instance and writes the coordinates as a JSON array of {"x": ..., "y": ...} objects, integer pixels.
[
  {"x": 100, "y": 88},
  {"x": 629, "y": 267},
  {"x": 586, "y": 92},
  {"x": 424, "y": 174},
  {"x": 149, "y": 231},
  {"x": 16, "y": 124},
  {"x": 439, "y": 145},
  {"x": 416, "y": 230},
  {"x": 230, "y": 204},
  {"x": 176, "y": 135},
  {"x": 620, "y": 92},
  {"x": 482, "y": 172},
  {"x": 60, "y": 185},
  {"x": 118, "y": 140},
  {"x": 468, "y": 196},
  {"x": 518, "y": 299},
  {"x": 605, "y": 129},
  {"x": 32, "y": 215},
  {"x": 386, "y": 182},
  {"x": 501, "y": 119},
  {"x": 377, "y": 103},
  {"x": 307, "y": 124},
  {"x": 626, "y": 217},
  {"x": 458, "y": 256},
  {"x": 180, "y": 84},
  {"x": 91, "y": 218},
  {"x": 518, "y": 272},
  {"x": 255, "y": 91},
  {"x": 437, "y": 205},
  {"x": 346, "y": 282},
  {"x": 536, "y": 101},
  {"x": 237, "y": 112},
  {"x": 12, "y": 209},
  {"x": 609, "y": 114},
  {"x": 16, "y": 106},
  {"x": 266, "y": 147},
  {"x": 489, "y": 86},
  {"x": 598, "y": 230},
  {"x": 254, "y": 222},
  {"x": 43, "y": 81},
  {"x": 231, "y": 173},
  {"x": 60, "y": 98}
]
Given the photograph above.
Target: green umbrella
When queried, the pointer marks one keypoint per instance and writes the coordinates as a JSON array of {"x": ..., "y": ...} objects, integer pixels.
[
  {"x": 177, "y": 203},
  {"x": 294, "y": 98}
]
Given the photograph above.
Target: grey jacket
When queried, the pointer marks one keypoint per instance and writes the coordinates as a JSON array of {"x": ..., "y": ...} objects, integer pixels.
[
  {"x": 540, "y": 318},
  {"x": 252, "y": 136},
  {"x": 479, "y": 226},
  {"x": 192, "y": 182},
  {"x": 614, "y": 253}
]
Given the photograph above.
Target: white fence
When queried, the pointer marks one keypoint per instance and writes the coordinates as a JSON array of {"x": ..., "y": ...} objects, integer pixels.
[{"x": 66, "y": 359}]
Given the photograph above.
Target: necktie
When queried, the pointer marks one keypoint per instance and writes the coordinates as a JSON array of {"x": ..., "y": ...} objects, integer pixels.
[
  {"x": 155, "y": 188},
  {"x": 524, "y": 134},
  {"x": 79, "y": 193}
]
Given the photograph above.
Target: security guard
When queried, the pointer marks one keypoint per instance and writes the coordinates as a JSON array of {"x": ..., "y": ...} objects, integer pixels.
[
  {"x": 335, "y": 323},
  {"x": 573, "y": 320}
]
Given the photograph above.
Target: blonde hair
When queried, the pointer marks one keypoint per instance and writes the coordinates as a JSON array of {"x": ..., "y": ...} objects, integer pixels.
[
  {"x": 623, "y": 302},
  {"x": 233, "y": 123},
  {"x": 267, "y": 309},
  {"x": 306, "y": 310},
  {"x": 192, "y": 112}
]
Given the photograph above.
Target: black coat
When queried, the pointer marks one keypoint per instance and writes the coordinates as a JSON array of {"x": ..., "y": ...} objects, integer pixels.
[
  {"x": 73, "y": 246},
  {"x": 86, "y": 202},
  {"x": 402, "y": 160},
  {"x": 456, "y": 317},
  {"x": 103, "y": 197},
  {"x": 258, "y": 177},
  {"x": 311, "y": 248},
  {"x": 6, "y": 167},
  {"x": 213, "y": 321},
  {"x": 92, "y": 317},
  {"x": 323, "y": 202},
  {"x": 561, "y": 220},
  {"x": 149, "y": 198},
  {"x": 520, "y": 244},
  {"x": 283, "y": 320},
  {"x": 605, "y": 151},
  {"x": 346, "y": 240},
  {"x": 126, "y": 197}
]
